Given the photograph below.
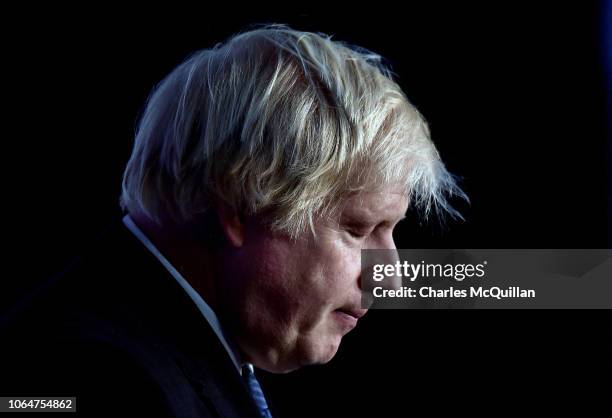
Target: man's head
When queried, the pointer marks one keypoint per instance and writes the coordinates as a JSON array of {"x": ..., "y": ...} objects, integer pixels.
[{"x": 299, "y": 151}]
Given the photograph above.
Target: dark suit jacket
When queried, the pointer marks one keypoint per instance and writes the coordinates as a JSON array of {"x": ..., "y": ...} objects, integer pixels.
[{"x": 118, "y": 332}]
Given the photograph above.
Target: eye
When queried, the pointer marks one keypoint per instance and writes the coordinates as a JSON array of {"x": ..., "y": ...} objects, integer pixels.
[
  {"x": 357, "y": 234},
  {"x": 359, "y": 231}
]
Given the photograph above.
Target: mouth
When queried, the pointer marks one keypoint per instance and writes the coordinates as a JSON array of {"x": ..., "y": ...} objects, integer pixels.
[
  {"x": 353, "y": 313},
  {"x": 348, "y": 317}
]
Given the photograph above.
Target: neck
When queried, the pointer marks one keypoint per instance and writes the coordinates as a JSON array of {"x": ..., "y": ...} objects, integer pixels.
[{"x": 190, "y": 257}]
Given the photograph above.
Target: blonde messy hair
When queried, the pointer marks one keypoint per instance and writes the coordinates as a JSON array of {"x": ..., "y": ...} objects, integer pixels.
[{"x": 283, "y": 121}]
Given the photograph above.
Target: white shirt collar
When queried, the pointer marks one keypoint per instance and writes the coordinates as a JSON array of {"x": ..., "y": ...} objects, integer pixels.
[{"x": 204, "y": 308}]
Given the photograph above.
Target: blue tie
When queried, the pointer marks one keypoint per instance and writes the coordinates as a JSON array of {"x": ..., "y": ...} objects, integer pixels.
[{"x": 255, "y": 391}]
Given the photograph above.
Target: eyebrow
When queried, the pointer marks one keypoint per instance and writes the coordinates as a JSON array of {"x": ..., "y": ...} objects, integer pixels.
[{"x": 361, "y": 218}]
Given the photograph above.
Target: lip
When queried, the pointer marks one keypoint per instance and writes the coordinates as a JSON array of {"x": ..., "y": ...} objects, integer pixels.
[
  {"x": 349, "y": 317},
  {"x": 353, "y": 312},
  {"x": 347, "y": 321}
]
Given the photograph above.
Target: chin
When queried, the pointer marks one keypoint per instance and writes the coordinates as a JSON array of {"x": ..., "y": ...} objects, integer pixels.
[
  {"x": 311, "y": 352},
  {"x": 320, "y": 351}
]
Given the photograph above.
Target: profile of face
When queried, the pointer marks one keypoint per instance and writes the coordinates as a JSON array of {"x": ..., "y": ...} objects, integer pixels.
[{"x": 290, "y": 302}]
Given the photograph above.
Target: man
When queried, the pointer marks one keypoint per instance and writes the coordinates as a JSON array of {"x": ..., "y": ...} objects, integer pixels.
[{"x": 261, "y": 168}]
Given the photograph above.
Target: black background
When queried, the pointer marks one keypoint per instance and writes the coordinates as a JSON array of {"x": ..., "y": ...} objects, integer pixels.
[{"x": 515, "y": 96}]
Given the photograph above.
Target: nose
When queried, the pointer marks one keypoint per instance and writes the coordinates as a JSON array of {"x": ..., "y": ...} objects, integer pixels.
[
  {"x": 386, "y": 248},
  {"x": 382, "y": 251}
]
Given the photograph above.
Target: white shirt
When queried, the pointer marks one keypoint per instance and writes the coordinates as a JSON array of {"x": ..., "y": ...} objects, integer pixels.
[{"x": 206, "y": 310}]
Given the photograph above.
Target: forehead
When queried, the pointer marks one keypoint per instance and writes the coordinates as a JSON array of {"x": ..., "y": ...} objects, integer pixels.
[{"x": 388, "y": 203}]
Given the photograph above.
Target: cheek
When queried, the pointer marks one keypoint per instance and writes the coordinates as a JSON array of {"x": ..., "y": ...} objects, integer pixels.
[
  {"x": 339, "y": 269},
  {"x": 276, "y": 284},
  {"x": 296, "y": 286},
  {"x": 288, "y": 288},
  {"x": 271, "y": 276}
]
